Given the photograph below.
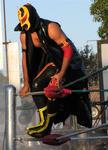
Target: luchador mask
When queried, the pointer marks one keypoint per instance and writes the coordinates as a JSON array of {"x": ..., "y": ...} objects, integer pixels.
[
  {"x": 23, "y": 16},
  {"x": 28, "y": 18}
]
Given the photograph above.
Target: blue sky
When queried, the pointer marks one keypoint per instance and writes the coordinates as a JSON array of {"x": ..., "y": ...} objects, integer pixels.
[{"x": 73, "y": 15}]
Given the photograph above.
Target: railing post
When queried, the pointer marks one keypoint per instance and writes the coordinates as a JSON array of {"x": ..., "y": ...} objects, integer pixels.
[{"x": 10, "y": 117}]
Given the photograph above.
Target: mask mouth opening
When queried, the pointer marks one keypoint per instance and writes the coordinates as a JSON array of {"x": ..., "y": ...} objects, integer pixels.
[{"x": 25, "y": 27}]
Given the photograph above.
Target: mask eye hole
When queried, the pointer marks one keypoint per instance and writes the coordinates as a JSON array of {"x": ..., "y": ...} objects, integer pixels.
[{"x": 22, "y": 12}]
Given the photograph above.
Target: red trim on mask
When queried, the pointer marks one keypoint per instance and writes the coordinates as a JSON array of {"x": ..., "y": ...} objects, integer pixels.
[
  {"x": 68, "y": 51},
  {"x": 23, "y": 19}
]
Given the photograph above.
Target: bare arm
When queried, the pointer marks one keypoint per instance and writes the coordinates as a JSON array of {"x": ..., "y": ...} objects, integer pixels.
[
  {"x": 59, "y": 37},
  {"x": 25, "y": 88}
]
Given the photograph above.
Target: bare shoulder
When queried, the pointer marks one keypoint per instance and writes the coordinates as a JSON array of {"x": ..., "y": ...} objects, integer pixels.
[
  {"x": 54, "y": 29},
  {"x": 55, "y": 33},
  {"x": 53, "y": 25},
  {"x": 22, "y": 36},
  {"x": 23, "y": 40}
]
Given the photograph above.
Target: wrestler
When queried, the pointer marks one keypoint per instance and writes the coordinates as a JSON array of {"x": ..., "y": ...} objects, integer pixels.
[{"x": 45, "y": 45}]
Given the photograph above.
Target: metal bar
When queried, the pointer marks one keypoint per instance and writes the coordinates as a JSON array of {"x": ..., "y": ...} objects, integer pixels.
[
  {"x": 20, "y": 139},
  {"x": 82, "y": 132},
  {"x": 5, "y": 34},
  {"x": 90, "y": 138},
  {"x": 73, "y": 82},
  {"x": 86, "y": 76},
  {"x": 10, "y": 117},
  {"x": 35, "y": 93},
  {"x": 73, "y": 91}
]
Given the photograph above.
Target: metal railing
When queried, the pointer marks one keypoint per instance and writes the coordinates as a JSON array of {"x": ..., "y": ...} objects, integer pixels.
[{"x": 10, "y": 117}]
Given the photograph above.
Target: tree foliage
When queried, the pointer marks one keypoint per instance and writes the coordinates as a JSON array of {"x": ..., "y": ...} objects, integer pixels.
[
  {"x": 99, "y": 9},
  {"x": 90, "y": 62}
]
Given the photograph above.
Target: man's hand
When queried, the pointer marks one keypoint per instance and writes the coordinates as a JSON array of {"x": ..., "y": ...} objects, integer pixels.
[
  {"x": 56, "y": 80},
  {"x": 24, "y": 90},
  {"x": 53, "y": 92}
]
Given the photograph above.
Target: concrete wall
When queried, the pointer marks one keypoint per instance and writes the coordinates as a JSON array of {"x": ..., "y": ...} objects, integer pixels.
[
  {"x": 103, "y": 61},
  {"x": 13, "y": 65},
  {"x": 104, "y": 52}
]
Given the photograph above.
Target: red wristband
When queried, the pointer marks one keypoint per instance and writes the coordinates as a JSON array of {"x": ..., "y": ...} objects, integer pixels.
[{"x": 68, "y": 51}]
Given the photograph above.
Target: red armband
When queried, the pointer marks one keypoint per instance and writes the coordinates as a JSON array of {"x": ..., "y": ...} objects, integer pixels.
[{"x": 68, "y": 51}]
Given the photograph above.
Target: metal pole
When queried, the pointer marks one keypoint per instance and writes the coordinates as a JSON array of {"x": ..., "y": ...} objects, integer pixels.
[
  {"x": 10, "y": 117},
  {"x": 5, "y": 35}
]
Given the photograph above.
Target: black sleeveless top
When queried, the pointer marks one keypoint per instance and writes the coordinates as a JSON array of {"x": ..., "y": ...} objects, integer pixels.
[
  {"x": 37, "y": 58},
  {"x": 52, "y": 49}
]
